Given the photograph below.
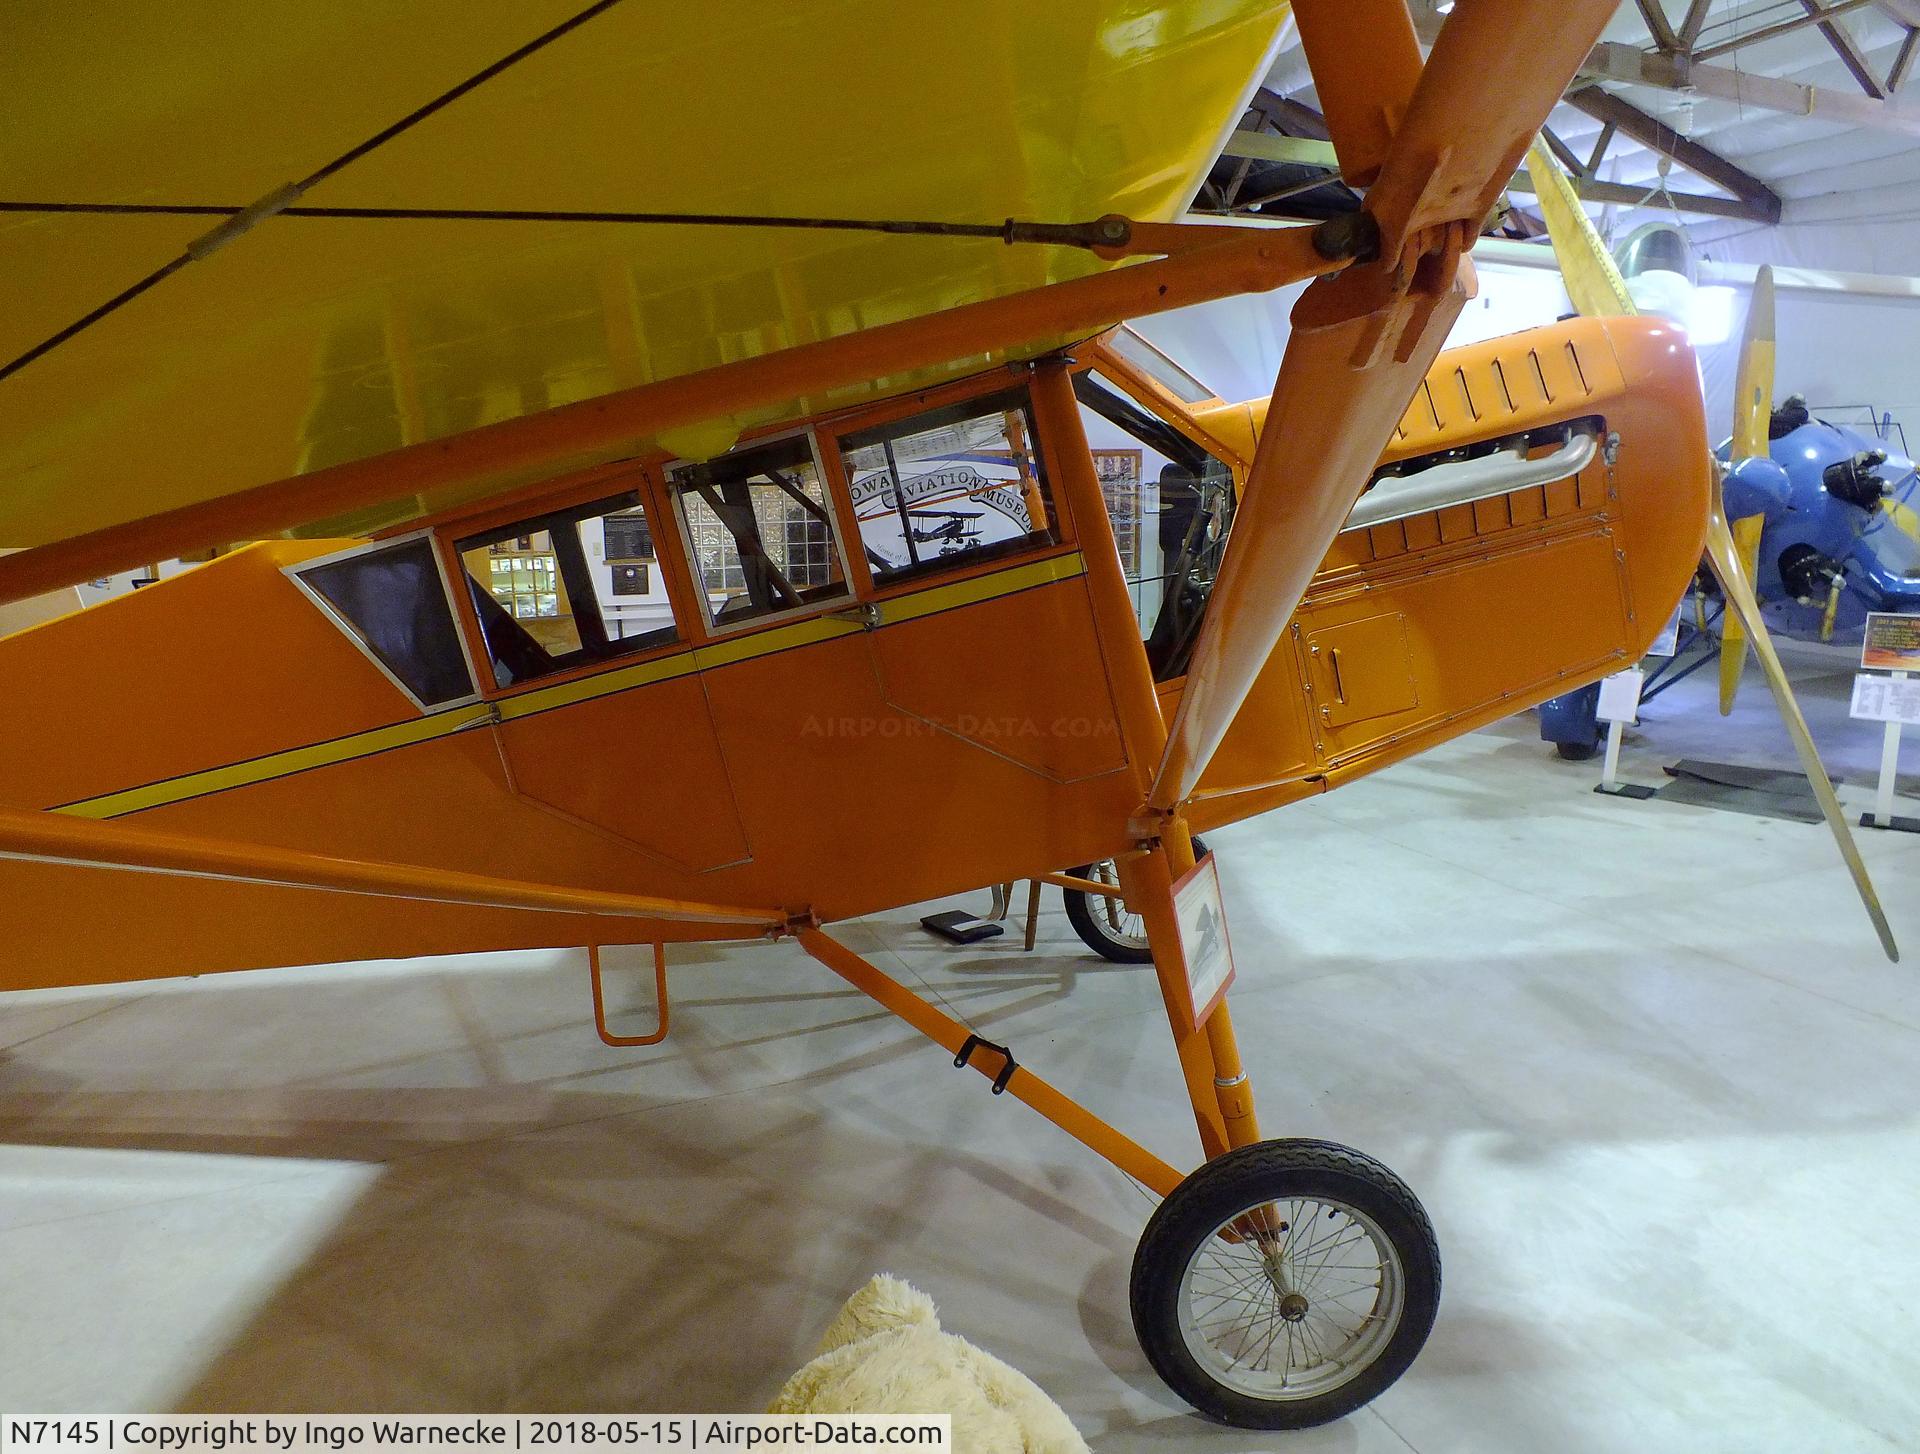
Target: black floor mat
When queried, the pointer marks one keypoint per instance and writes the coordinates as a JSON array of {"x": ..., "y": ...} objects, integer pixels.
[{"x": 1764, "y": 792}]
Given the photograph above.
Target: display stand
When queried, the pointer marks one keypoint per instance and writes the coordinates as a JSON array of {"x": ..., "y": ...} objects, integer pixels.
[
  {"x": 1891, "y": 643},
  {"x": 1883, "y": 815},
  {"x": 1619, "y": 705}
]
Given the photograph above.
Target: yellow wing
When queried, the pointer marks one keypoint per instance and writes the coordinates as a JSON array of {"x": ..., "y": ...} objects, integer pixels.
[{"x": 309, "y": 342}]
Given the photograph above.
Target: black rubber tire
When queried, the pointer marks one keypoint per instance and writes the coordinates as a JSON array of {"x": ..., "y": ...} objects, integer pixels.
[
  {"x": 1086, "y": 922},
  {"x": 1229, "y": 1184},
  {"x": 1576, "y": 751}
]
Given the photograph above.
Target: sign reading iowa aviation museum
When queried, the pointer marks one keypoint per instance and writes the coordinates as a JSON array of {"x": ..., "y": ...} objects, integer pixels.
[
  {"x": 951, "y": 509},
  {"x": 956, "y": 481}
]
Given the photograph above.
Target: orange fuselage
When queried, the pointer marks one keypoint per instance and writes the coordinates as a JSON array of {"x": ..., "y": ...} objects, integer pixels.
[{"x": 899, "y": 742}]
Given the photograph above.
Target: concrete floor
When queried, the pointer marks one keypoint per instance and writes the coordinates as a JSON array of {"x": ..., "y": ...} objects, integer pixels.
[{"x": 1642, "y": 1062}]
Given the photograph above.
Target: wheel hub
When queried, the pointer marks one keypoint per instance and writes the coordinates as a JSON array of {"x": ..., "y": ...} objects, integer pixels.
[{"x": 1293, "y": 1307}]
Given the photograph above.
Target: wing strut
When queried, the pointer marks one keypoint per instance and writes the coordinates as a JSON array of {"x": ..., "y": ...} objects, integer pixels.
[
  {"x": 1363, "y": 341},
  {"x": 54, "y": 838}
]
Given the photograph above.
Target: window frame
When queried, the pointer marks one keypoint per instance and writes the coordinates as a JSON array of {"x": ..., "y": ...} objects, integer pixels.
[
  {"x": 1109, "y": 343},
  {"x": 1096, "y": 369},
  {"x": 353, "y": 633},
  {"x": 628, "y": 478},
  {"x": 648, "y": 476},
  {"x": 837, "y": 512},
  {"x": 927, "y": 401},
  {"x": 1151, "y": 395}
]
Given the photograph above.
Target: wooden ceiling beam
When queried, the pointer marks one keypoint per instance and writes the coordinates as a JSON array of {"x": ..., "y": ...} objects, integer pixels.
[
  {"x": 1599, "y": 152},
  {"x": 1283, "y": 113},
  {"x": 1903, "y": 62},
  {"x": 1814, "y": 16},
  {"x": 1655, "y": 14},
  {"x": 1690, "y": 27},
  {"x": 1841, "y": 39},
  {"x": 1562, "y": 152},
  {"x": 1625, "y": 196},
  {"x": 1588, "y": 190},
  {"x": 1629, "y": 65},
  {"x": 1656, "y": 135}
]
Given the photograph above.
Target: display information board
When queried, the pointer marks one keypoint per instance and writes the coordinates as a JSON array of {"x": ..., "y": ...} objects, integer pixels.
[
  {"x": 1892, "y": 642},
  {"x": 1203, "y": 938},
  {"x": 1885, "y": 699},
  {"x": 1620, "y": 696}
]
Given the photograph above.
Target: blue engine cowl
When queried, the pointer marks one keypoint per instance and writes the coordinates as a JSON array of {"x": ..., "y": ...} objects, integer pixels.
[{"x": 1811, "y": 493}]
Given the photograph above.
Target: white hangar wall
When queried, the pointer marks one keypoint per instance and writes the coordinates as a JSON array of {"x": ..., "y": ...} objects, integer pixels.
[{"x": 1845, "y": 337}]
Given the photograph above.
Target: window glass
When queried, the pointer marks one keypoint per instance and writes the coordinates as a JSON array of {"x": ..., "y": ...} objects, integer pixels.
[
  {"x": 1170, "y": 503},
  {"x": 628, "y": 585},
  {"x": 1158, "y": 367},
  {"x": 760, "y": 531},
  {"x": 955, "y": 486},
  {"x": 566, "y": 588},
  {"x": 392, "y": 598}
]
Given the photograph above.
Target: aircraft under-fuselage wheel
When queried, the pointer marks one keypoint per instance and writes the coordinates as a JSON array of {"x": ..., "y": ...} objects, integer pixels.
[
  {"x": 1105, "y": 924},
  {"x": 1285, "y": 1284}
]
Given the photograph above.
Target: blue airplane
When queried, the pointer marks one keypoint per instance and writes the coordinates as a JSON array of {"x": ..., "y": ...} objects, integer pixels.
[{"x": 1838, "y": 536}]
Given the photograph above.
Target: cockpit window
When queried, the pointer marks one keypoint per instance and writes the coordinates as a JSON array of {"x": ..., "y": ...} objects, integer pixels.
[
  {"x": 1170, "y": 503},
  {"x": 568, "y": 588},
  {"x": 392, "y": 601},
  {"x": 953, "y": 487},
  {"x": 760, "y": 533},
  {"x": 1158, "y": 367}
]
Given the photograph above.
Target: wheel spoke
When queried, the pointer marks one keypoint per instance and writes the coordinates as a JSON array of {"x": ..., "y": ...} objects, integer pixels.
[
  {"x": 1275, "y": 1322},
  {"x": 1321, "y": 1294},
  {"x": 1312, "y": 1341},
  {"x": 1291, "y": 1297},
  {"x": 1222, "y": 1250},
  {"x": 1109, "y": 915},
  {"x": 1319, "y": 1241},
  {"x": 1252, "y": 1317},
  {"x": 1341, "y": 1340},
  {"x": 1233, "y": 1272},
  {"x": 1212, "y": 1317},
  {"x": 1245, "y": 1293},
  {"x": 1359, "y": 1235}
]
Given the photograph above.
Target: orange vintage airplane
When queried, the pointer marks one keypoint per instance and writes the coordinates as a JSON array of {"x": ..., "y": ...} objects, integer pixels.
[{"x": 633, "y": 577}]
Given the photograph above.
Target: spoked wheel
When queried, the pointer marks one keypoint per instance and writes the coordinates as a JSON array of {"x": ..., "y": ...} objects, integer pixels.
[
  {"x": 1285, "y": 1284},
  {"x": 1106, "y": 925}
]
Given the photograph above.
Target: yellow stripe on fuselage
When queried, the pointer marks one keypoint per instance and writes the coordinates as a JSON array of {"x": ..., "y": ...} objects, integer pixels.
[
  {"x": 1905, "y": 519},
  {"x": 810, "y": 632},
  {"x": 982, "y": 588},
  {"x": 280, "y": 764}
]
